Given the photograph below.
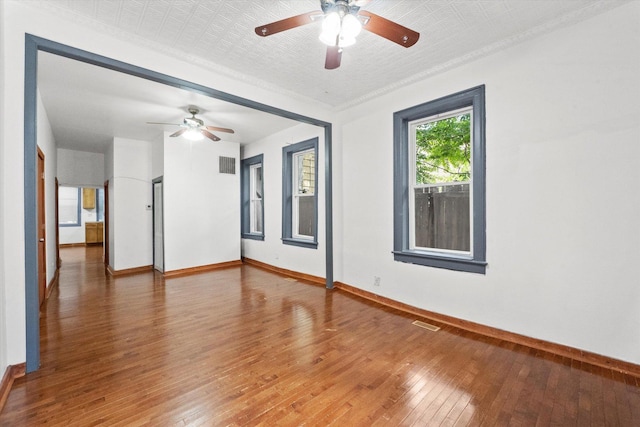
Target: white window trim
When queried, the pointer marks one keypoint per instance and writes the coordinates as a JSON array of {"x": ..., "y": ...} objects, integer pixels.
[
  {"x": 246, "y": 178},
  {"x": 253, "y": 198},
  {"x": 413, "y": 186},
  {"x": 297, "y": 195}
]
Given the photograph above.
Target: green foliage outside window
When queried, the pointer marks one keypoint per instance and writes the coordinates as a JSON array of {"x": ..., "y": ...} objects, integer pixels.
[{"x": 443, "y": 150}]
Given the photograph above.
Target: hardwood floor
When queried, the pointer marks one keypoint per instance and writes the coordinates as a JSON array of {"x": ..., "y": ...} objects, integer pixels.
[{"x": 244, "y": 346}]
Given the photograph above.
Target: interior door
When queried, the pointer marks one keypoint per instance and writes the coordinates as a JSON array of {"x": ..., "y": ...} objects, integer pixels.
[
  {"x": 158, "y": 225},
  {"x": 42, "y": 244}
]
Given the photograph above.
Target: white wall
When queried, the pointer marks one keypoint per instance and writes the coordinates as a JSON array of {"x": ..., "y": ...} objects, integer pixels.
[
  {"x": 563, "y": 197},
  {"x": 47, "y": 144},
  {"x": 157, "y": 157},
  {"x": 80, "y": 168},
  {"x": 201, "y": 205},
  {"x": 3, "y": 104},
  {"x": 131, "y": 195},
  {"x": 108, "y": 176},
  {"x": 272, "y": 251}
]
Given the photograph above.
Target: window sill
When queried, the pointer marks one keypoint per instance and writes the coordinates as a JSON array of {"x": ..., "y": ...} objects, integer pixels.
[
  {"x": 441, "y": 261},
  {"x": 252, "y": 236},
  {"x": 299, "y": 242}
]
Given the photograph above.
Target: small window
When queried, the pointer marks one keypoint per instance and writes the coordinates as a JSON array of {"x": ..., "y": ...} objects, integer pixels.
[
  {"x": 252, "y": 198},
  {"x": 439, "y": 184},
  {"x": 299, "y": 192},
  {"x": 69, "y": 206},
  {"x": 100, "y": 204}
]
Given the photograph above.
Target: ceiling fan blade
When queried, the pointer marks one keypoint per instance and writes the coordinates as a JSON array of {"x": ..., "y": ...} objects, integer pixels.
[
  {"x": 169, "y": 124},
  {"x": 286, "y": 24},
  {"x": 389, "y": 30},
  {"x": 209, "y": 135},
  {"x": 219, "y": 129},
  {"x": 178, "y": 133},
  {"x": 332, "y": 60}
]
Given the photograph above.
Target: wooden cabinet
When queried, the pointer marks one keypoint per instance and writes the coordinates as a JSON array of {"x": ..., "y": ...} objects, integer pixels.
[
  {"x": 93, "y": 232},
  {"x": 89, "y": 198}
]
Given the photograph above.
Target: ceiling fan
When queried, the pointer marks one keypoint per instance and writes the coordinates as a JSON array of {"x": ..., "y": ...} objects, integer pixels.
[
  {"x": 193, "y": 128},
  {"x": 342, "y": 21}
]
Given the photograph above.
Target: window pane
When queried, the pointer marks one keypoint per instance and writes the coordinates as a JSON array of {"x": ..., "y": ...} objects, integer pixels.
[
  {"x": 305, "y": 172},
  {"x": 443, "y": 150},
  {"x": 257, "y": 179},
  {"x": 68, "y": 205},
  {"x": 256, "y": 216},
  {"x": 442, "y": 219},
  {"x": 306, "y": 216},
  {"x": 100, "y": 204}
]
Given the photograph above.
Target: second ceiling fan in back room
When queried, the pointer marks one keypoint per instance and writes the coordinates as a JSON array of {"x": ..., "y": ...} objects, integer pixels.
[
  {"x": 342, "y": 21},
  {"x": 194, "y": 128}
]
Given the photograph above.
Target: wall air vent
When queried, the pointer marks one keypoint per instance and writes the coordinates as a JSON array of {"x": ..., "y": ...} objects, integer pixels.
[{"x": 227, "y": 165}]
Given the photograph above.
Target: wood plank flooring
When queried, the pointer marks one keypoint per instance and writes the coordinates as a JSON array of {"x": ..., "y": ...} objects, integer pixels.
[{"x": 244, "y": 346}]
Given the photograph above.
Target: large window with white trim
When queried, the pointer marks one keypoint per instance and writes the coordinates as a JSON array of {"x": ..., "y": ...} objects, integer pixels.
[
  {"x": 439, "y": 183},
  {"x": 299, "y": 190}
]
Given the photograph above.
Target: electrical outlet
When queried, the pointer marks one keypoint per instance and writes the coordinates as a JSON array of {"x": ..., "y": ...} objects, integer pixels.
[{"x": 376, "y": 281}]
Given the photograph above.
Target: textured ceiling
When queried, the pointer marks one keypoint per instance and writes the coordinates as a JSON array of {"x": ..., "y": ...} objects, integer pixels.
[
  {"x": 218, "y": 34},
  {"x": 87, "y": 105}
]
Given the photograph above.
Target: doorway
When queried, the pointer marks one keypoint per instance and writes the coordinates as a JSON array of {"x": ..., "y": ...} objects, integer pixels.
[
  {"x": 33, "y": 45},
  {"x": 42, "y": 226}
]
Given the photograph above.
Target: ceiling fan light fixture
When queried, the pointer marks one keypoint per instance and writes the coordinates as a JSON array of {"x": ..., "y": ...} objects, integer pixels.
[
  {"x": 346, "y": 41},
  {"x": 328, "y": 39},
  {"x": 193, "y": 135},
  {"x": 330, "y": 29},
  {"x": 351, "y": 26}
]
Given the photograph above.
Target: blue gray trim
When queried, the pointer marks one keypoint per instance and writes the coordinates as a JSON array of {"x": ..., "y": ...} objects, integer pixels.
[
  {"x": 30, "y": 201},
  {"x": 79, "y": 211},
  {"x": 33, "y": 44},
  {"x": 245, "y": 199},
  {"x": 473, "y": 97},
  {"x": 328, "y": 208},
  {"x": 287, "y": 193}
]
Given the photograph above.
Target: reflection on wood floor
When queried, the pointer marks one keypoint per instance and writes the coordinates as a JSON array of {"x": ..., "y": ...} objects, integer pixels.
[{"x": 243, "y": 346}]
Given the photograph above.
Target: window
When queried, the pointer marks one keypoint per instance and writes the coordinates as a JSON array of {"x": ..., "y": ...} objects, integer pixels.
[
  {"x": 299, "y": 194},
  {"x": 99, "y": 204},
  {"x": 439, "y": 183},
  {"x": 69, "y": 206},
  {"x": 252, "y": 198}
]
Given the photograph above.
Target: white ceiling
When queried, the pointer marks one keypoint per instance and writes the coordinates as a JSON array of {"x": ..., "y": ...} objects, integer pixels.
[
  {"x": 219, "y": 34},
  {"x": 88, "y": 105}
]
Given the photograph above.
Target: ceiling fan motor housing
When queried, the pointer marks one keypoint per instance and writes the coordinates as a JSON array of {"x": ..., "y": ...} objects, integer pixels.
[
  {"x": 343, "y": 7},
  {"x": 193, "y": 121}
]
